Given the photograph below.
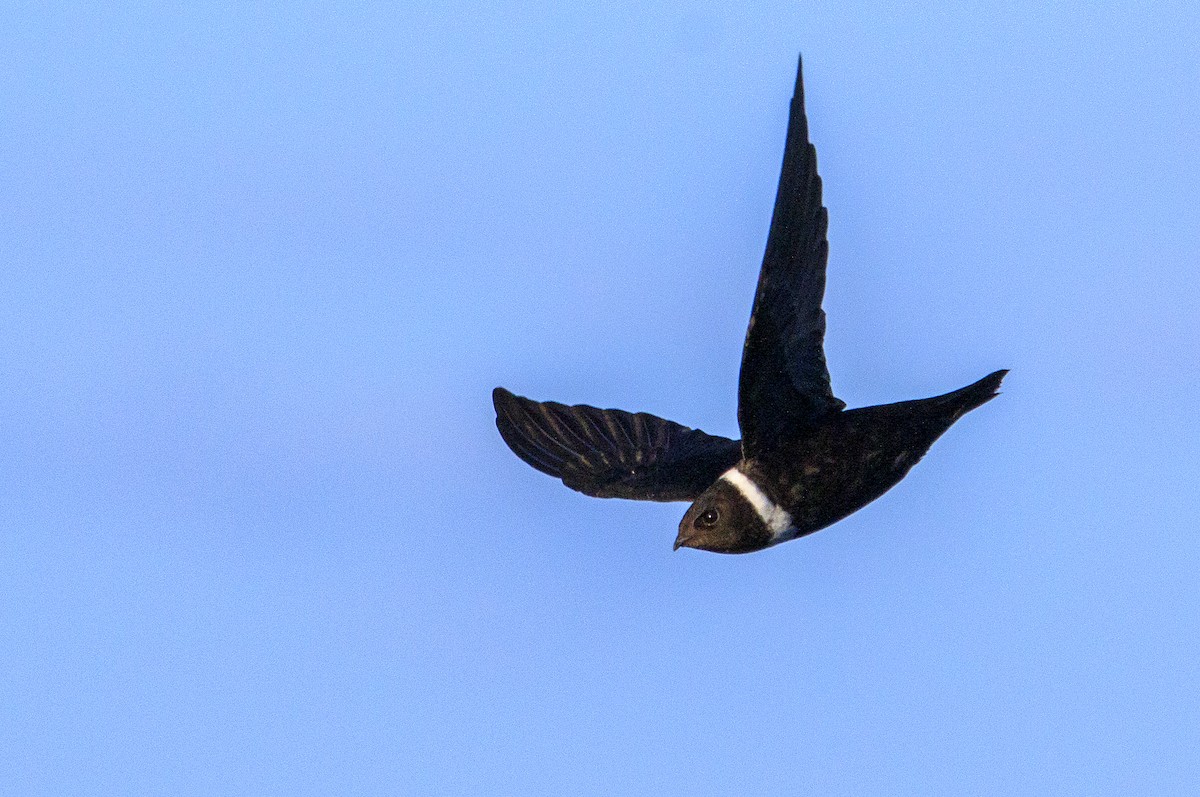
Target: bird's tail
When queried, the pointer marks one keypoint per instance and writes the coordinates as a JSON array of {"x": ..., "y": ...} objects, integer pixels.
[{"x": 968, "y": 398}]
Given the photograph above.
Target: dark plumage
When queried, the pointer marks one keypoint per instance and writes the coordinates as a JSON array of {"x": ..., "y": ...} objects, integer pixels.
[{"x": 804, "y": 462}]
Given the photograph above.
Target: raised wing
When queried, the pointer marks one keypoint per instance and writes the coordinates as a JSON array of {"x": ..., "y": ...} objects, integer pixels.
[
  {"x": 612, "y": 453},
  {"x": 784, "y": 382}
]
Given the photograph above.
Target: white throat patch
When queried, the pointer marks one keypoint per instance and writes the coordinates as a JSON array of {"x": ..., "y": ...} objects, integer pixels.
[{"x": 774, "y": 517}]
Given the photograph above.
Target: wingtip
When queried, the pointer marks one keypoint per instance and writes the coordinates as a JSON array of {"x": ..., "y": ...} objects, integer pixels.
[
  {"x": 798, "y": 92},
  {"x": 500, "y": 396}
]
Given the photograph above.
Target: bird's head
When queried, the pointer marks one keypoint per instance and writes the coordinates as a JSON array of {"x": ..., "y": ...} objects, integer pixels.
[{"x": 723, "y": 521}]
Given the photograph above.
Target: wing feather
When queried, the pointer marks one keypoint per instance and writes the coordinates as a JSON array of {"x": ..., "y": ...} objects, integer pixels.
[
  {"x": 613, "y": 453},
  {"x": 784, "y": 382}
]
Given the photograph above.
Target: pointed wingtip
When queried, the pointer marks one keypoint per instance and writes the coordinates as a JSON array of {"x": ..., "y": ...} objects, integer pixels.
[
  {"x": 501, "y": 398},
  {"x": 798, "y": 92}
]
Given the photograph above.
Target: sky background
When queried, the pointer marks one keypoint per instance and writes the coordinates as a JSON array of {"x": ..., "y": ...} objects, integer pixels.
[{"x": 264, "y": 262}]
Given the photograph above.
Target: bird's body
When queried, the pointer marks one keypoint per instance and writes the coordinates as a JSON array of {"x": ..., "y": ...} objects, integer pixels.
[
  {"x": 837, "y": 466},
  {"x": 804, "y": 461}
]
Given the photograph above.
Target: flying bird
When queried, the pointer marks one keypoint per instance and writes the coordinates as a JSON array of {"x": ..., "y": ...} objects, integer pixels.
[{"x": 804, "y": 461}]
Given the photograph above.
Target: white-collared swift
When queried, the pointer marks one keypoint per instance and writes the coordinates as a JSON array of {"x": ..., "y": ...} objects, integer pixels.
[{"x": 804, "y": 462}]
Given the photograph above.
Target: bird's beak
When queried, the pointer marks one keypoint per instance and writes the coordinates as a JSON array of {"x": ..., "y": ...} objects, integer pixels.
[{"x": 680, "y": 542}]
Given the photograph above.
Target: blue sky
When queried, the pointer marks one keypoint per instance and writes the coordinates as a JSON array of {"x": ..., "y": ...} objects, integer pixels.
[{"x": 265, "y": 262}]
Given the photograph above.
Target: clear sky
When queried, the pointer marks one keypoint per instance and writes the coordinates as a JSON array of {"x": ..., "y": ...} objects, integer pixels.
[{"x": 264, "y": 262}]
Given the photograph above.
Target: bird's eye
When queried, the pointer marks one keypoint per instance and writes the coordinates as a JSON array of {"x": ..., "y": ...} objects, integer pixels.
[{"x": 708, "y": 518}]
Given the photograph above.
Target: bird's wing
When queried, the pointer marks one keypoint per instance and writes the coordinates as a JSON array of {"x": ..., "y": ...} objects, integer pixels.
[
  {"x": 784, "y": 380},
  {"x": 612, "y": 453}
]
